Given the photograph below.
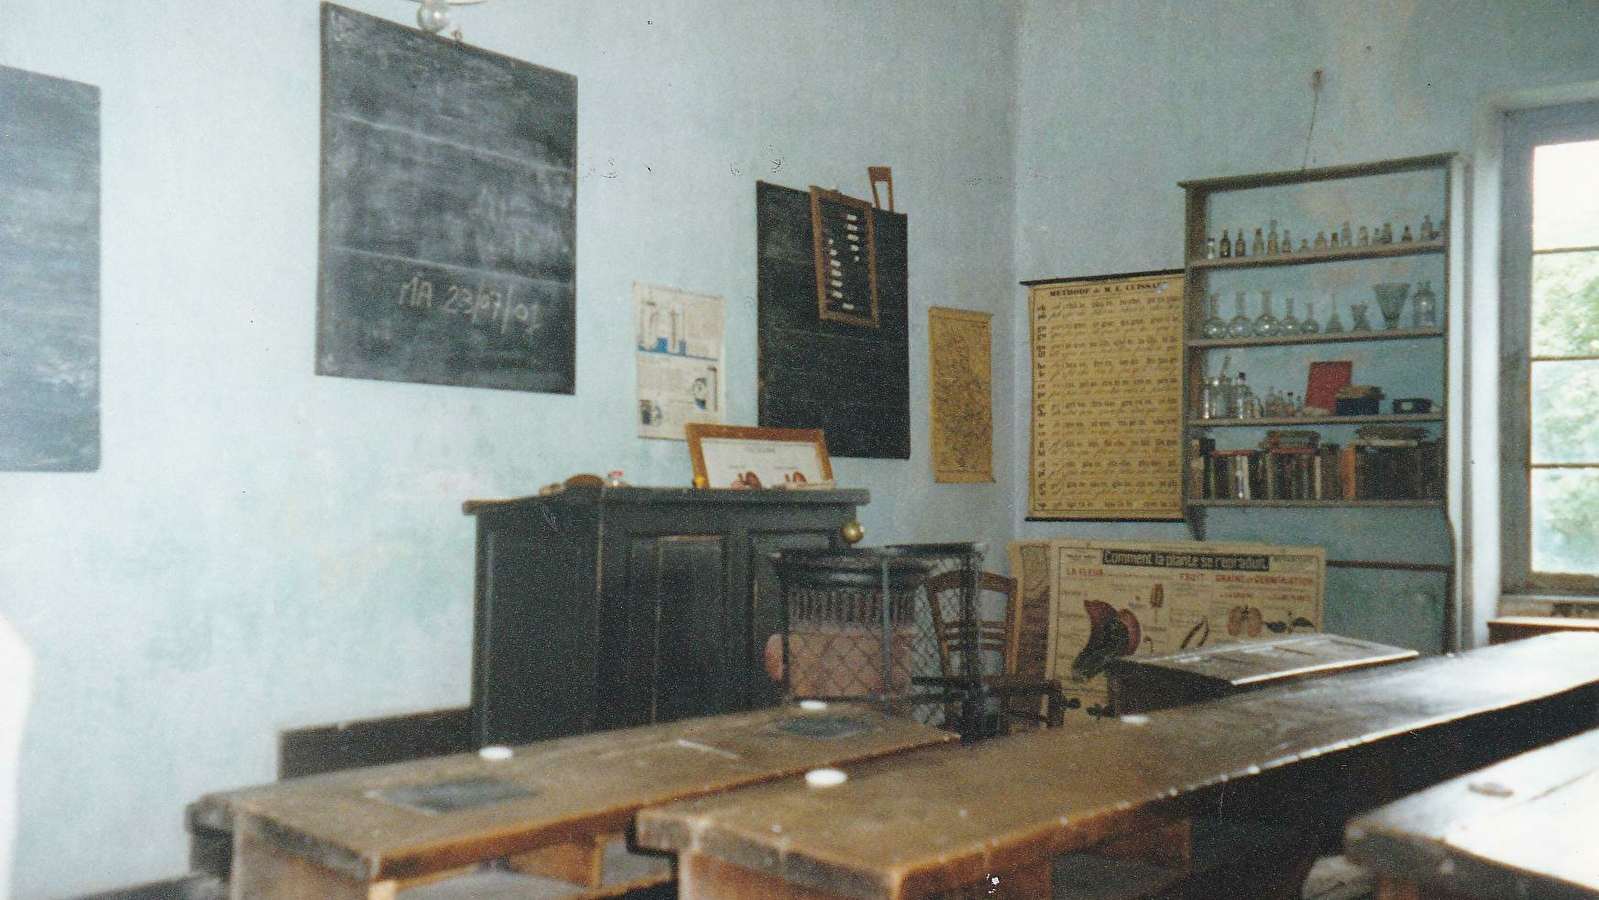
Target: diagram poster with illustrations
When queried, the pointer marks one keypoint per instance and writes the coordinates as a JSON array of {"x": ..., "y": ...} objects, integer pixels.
[
  {"x": 678, "y": 339},
  {"x": 1115, "y": 598}
]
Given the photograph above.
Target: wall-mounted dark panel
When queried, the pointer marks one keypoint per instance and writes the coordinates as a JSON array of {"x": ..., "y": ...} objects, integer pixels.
[
  {"x": 449, "y": 200},
  {"x": 850, "y": 380},
  {"x": 49, "y": 274}
]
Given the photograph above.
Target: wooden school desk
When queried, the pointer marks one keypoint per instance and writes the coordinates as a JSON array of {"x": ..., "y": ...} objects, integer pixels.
[
  {"x": 1145, "y": 684},
  {"x": 1523, "y": 829},
  {"x": 993, "y": 816},
  {"x": 556, "y": 811}
]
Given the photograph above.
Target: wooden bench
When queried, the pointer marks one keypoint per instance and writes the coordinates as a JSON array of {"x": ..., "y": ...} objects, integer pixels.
[
  {"x": 1515, "y": 628},
  {"x": 1523, "y": 828},
  {"x": 1139, "y": 685},
  {"x": 551, "y": 819},
  {"x": 989, "y": 820}
]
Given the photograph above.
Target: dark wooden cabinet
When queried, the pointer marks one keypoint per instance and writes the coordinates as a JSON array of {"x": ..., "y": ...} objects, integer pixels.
[{"x": 608, "y": 607}]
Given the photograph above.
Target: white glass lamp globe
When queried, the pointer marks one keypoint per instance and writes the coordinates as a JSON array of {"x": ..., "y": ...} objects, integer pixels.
[{"x": 433, "y": 15}]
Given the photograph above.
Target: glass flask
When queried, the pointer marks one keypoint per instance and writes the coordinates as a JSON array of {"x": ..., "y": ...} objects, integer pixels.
[
  {"x": 1309, "y": 325},
  {"x": 1240, "y": 326},
  {"x": 1214, "y": 326},
  {"x": 1265, "y": 323},
  {"x": 1288, "y": 325}
]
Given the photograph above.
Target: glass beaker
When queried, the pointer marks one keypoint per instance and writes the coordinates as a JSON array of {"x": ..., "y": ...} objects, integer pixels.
[{"x": 1391, "y": 300}]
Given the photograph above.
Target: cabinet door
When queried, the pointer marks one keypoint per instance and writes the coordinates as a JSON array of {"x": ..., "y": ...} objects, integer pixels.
[
  {"x": 677, "y": 623},
  {"x": 766, "y": 605}
]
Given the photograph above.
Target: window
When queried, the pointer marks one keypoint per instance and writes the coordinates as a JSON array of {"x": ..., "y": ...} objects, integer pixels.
[{"x": 1550, "y": 333}]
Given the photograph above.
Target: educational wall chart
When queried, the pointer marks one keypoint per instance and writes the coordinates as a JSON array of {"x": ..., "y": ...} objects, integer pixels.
[
  {"x": 679, "y": 349},
  {"x": 49, "y": 274},
  {"x": 1113, "y": 599},
  {"x": 449, "y": 199},
  {"x": 1107, "y": 398},
  {"x": 959, "y": 347}
]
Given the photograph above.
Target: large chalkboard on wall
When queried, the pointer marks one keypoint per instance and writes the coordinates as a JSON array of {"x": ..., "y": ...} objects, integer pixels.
[
  {"x": 449, "y": 198},
  {"x": 850, "y": 379},
  {"x": 49, "y": 274}
]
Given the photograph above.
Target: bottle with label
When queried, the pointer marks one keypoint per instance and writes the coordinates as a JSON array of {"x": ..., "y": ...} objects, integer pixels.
[
  {"x": 1225, "y": 251},
  {"x": 1210, "y": 248},
  {"x": 1258, "y": 248},
  {"x": 1272, "y": 245},
  {"x": 1238, "y": 244}
]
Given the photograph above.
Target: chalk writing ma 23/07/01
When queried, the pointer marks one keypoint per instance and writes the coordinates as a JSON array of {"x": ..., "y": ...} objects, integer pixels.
[{"x": 481, "y": 306}]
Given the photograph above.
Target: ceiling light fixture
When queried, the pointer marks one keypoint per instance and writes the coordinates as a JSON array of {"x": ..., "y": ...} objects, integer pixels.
[{"x": 433, "y": 16}]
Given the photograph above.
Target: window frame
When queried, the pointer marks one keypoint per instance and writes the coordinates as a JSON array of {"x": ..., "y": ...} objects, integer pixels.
[{"x": 1525, "y": 131}]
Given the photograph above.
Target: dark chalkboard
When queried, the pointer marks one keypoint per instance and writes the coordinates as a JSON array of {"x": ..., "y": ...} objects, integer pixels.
[
  {"x": 49, "y": 274},
  {"x": 449, "y": 200},
  {"x": 850, "y": 380}
]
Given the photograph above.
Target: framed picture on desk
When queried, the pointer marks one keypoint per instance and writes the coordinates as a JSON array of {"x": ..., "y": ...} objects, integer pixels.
[{"x": 733, "y": 456}]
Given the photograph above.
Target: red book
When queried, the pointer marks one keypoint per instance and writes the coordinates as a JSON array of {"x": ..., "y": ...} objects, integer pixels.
[{"x": 1327, "y": 378}]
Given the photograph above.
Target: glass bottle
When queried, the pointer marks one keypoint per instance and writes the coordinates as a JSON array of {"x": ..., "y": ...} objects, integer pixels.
[
  {"x": 1288, "y": 325},
  {"x": 1265, "y": 323},
  {"x": 1335, "y": 324},
  {"x": 1321, "y": 241},
  {"x": 1287, "y": 245},
  {"x": 1346, "y": 234},
  {"x": 1427, "y": 231},
  {"x": 1258, "y": 248},
  {"x": 1238, "y": 244},
  {"x": 1365, "y": 237},
  {"x": 1424, "y": 307},
  {"x": 1272, "y": 245},
  {"x": 1406, "y": 237},
  {"x": 1215, "y": 326},
  {"x": 1240, "y": 325},
  {"x": 1309, "y": 325},
  {"x": 1304, "y": 246},
  {"x": 1357, "y": 312},
  {"x": 1210, "y": 247},
  {"x": 1248, "y": 404},
  {"x": 1225, "y": 251}
]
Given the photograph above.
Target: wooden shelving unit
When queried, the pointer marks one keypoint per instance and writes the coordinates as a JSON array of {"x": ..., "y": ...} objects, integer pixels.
[
  {"x": 1404, "y": 361},
  {"x": 1314, "y": 421},
  {"x": 1341, "y": 254}
]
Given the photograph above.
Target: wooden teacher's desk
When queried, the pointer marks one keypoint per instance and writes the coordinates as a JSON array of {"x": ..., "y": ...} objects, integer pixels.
[
  {"x": 1522, "y": 829},
  {"x": 992, "y": 817},
  {"x": 554, "y": 814}
]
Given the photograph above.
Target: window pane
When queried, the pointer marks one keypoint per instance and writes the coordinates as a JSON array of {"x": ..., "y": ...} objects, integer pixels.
[
  {"x": 1565, "y": 304},
  {"x": 1565, "y": 412},
  {"x": 1565, "y": 521},
  {"x": 1565, "y": 195}
]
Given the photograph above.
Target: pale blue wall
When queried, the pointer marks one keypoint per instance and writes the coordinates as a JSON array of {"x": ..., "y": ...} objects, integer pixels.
[
  {"x": 1118, "y": 101},
  {"x": 264, "y": 548}
]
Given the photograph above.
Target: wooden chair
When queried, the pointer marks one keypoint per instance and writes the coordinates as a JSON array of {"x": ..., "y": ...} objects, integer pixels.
[{"x": 993, "y": 638}]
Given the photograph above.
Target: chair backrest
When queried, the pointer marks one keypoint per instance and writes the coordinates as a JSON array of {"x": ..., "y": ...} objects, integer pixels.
[{"x": 993, "y": 636}]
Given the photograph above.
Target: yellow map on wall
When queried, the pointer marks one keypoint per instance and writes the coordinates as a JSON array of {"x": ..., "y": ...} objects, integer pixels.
[{"x": 959, "y": 347}]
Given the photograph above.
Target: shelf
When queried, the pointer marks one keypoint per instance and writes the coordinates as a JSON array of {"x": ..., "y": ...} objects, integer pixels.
[
  {"x": 1312, "y": 421},
  {"x": 1342, "y": 254},
  {"x": 1315, "y": 504},
  {"x": 1376, "y": 334}
]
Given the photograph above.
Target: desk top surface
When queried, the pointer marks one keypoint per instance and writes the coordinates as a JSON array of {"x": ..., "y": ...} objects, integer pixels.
[
  {"x": 930, "y": 821},
  {"x": 418, "y": 817},
  {"x": 1521, "y": 828},
  {"x": 1252, "y": 662}
]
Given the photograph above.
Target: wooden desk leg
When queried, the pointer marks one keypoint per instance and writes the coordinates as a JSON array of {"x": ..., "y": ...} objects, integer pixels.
[{"x": 261, "y": 871}]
